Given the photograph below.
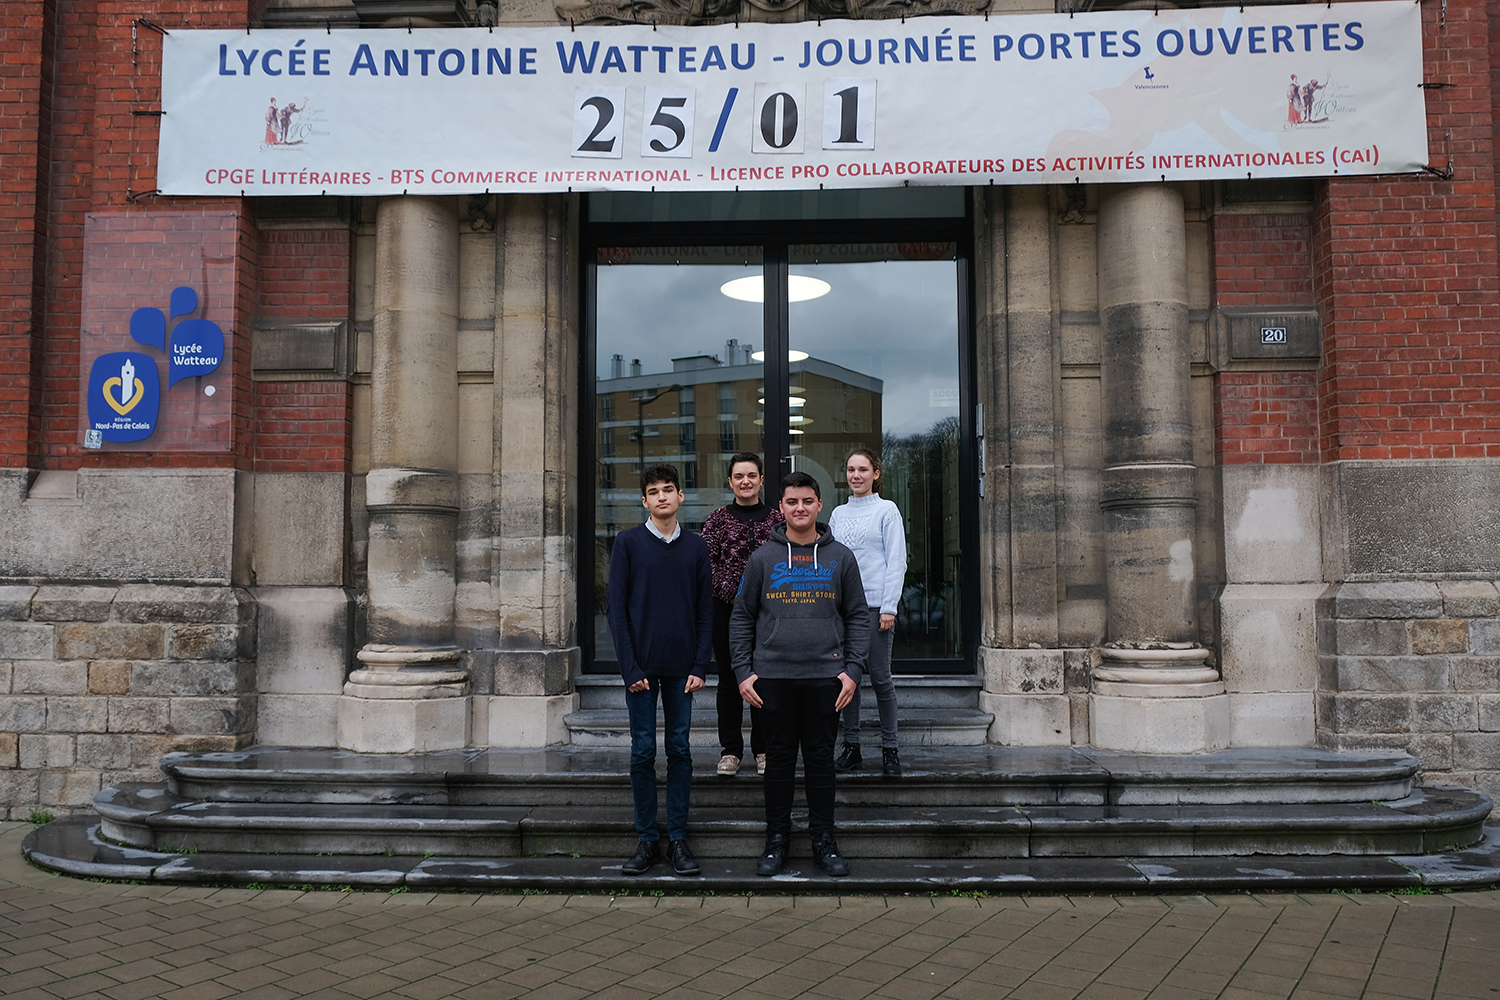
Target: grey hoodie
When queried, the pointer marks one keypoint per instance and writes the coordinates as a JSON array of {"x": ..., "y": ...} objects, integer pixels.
[{"x": 801, "y": 611}]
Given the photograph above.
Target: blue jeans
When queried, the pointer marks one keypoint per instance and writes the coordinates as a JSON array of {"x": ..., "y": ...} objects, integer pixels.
[{"x": 677, "y": 708}]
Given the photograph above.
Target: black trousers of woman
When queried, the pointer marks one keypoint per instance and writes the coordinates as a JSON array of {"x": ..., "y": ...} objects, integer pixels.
[{"x": 728, "y": 701}]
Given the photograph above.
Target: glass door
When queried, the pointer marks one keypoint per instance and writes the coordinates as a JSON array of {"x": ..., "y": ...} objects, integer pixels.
[
  {"x": 677, "y": 379},
  {"x": 873, "y": 357}
]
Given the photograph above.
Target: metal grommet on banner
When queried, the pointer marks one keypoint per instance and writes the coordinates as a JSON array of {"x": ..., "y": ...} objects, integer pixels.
[
  {"x": 653, "y": 24},
  {"x": 330, "y": 26},
  {"x": 408, "y": 25}
]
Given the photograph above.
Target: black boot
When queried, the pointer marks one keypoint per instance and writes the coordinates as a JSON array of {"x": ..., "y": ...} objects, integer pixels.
[
  {"x": 773, "y": 857},
  {"x": 647, "y": 853},
  {"x": 890, "y": 762},
  {"x": 683, "y": 862},
  {"x": 826, "y": 854},
  {"x": 849, "y": 759}
]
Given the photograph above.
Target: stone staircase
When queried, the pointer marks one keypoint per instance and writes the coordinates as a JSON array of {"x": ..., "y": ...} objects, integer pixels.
[
  {"x": 934, "y": 710},
  {"x": 961, "y": 816}
]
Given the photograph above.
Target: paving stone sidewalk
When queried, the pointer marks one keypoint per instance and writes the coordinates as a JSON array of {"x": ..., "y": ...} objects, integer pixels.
[{"x": 65, "y": 938}]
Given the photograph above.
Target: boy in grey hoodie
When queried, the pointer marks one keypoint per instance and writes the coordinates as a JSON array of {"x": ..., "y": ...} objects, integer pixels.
[{"x": 799, "y": 635}]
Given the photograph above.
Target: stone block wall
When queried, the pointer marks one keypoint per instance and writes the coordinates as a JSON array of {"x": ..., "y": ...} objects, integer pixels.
[
  {"x": 1414, "y": 666},
  {"x": 98, "y": 682}
]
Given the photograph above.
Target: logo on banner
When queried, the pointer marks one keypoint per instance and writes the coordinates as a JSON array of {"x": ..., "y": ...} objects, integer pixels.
[
  {"x": 285, "y": 124},
  {"x": 1313, "y": 101},
  {"x": 124, "y": 394}
]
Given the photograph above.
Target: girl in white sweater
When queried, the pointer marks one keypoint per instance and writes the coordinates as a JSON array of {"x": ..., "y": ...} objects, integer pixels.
[{"x": 873, "y": 529}]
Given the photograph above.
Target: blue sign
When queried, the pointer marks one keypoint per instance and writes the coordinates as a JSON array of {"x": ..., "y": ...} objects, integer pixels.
[
  {"x": 124, "y": 396},
  {"x": 197, "y": 349}
]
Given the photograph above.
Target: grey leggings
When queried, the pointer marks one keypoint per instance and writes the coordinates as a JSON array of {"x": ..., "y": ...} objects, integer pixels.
[{"x": 878, "y": 671}]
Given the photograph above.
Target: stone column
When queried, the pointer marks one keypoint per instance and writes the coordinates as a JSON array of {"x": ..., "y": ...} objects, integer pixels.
[
  {"x": 411, "y": 692},
  {"x": 1153, "y": 690}
]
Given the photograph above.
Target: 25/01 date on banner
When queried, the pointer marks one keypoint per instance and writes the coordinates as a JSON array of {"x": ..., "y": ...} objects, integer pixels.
[{"x": 778, "y": 117}]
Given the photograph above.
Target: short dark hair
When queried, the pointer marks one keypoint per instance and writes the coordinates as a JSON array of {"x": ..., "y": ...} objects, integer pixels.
[
  {"x": 800, "y": 480},
  {"x": 661, "y": 472},
  {"x": 747, "y": 456}
]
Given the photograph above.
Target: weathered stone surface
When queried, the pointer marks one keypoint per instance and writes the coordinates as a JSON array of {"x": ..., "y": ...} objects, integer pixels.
[
  {"x": 1385, "y": 673},
  {"x": 1268, "y": 636},
  {"x": 46, "y": 750},
  {"x": 82, "y": 714},
  {"x": 1400, "y": 599},
  {"x": 15, "y": 603},
  {"x": 191, "y": 677},
  {"x": 8, "y": 746},
  {"x": 74, "y": 787},
  {"x": 297, "y": 719},
  {"x": 1476, "y": 673},
  {"x": 23, "y": 713},
  {"x": 303, "y": 636},
  {"x": 139, "y": 715},
  {"x": 1476, "y": 750},
  {"x": 299, "y": 529},
  {"x": 1271, "y": 719},
  {"x": 1445, "y": 713},
  {"x": 1469, "y": 598},
  {"x": 49, "y": 677},
  {"x": 72, "y": 604},
  {"x": 1489, "y": 712},
  {"x": 109, "y": 641},
  {"x": 1368, "y": 713},
  {"x": 1368, "y": 636},
  {"x": 1440, "y": 636},
  {"x": 532, "y": 672},
  {"x": 205, "y": 642},
  {"x": 26, "y": 641},
  {"x": 1022, "y": 671},
  {"x": 20, "y": 788},
  {"x": 1434, "y": 750},
  {"x": 1271, "y": 523},
  {"x": 203, "y": 605},
  {"x": 1484, "y": 636},
  {"x": 1028, "y": 719},
  {"x": 1447, "y": 522},
  {"x": 109, "y": 677},
  {"x": 213, "y": 716},
  {"x": 103, "y": 751}
]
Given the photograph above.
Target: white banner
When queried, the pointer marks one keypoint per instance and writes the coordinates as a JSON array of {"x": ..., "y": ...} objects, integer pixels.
[{"x": 1105, "y": 97}]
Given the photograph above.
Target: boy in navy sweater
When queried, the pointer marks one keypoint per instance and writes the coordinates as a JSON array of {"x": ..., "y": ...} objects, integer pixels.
[{"x": 661, "y": 620}]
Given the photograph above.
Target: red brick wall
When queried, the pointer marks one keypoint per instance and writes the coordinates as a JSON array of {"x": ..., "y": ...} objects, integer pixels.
[
  {"x": 25, "y": 114},
  {"x": 304, "y": 273},
  {"x": 1262, "y": 260},
  {"x": 1405, "y": 277},
  {"x": 1266, "y": 418}
]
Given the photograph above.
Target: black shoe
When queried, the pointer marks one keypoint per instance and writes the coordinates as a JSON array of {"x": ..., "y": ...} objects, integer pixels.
[
  {"x": 647, "y": 853},
  {"x": 890, "y": 762},
  {"x": 683, "y": 862},
  {"x": 773, "y": 857},
  {"x": 849, "y": 759},
  {"x": 826, "y": 854}
]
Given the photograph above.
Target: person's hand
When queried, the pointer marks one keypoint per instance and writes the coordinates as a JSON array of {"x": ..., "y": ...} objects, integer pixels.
[
  {"x": 887, "y": 622},
  {"x": 694, "y": 683},
  {"x": 747, "y": 692},
  {"x": 847, "y": 694},
  {"x": 641, "y": 685}
]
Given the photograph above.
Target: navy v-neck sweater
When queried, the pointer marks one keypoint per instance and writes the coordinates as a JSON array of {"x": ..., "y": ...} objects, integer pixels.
[{"x": 660, "y": 605}]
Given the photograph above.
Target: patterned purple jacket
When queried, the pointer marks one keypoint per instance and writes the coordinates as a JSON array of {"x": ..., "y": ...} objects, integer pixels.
[{"x": 731, "y": 538}]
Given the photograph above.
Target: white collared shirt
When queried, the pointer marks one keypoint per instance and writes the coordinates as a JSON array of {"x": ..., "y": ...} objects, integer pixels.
[{"x": 676, "y": 531}]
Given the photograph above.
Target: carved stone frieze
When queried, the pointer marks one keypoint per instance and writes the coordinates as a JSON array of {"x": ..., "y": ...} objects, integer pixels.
[{"x": 721, "y": 11}]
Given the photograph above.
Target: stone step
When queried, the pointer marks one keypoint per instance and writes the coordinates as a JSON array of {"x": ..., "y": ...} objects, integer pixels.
[
  {"x": 73, "y": 846},
  {"x": 610, "y": 727},
  {"x": 934, "y": 776},
  {"x": 1427, "y": 821}
]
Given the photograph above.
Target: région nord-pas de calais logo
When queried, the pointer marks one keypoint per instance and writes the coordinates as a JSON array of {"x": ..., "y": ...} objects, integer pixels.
[{"x": 125, "y": 387}]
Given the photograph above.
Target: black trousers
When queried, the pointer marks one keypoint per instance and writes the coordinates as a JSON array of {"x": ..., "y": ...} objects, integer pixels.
[
  {"x": 799, "y": 714},
  {"x": 728, "y": 701}
]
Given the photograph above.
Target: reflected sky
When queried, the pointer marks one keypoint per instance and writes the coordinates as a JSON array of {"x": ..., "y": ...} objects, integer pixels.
[{"x": 893, "y": 320}]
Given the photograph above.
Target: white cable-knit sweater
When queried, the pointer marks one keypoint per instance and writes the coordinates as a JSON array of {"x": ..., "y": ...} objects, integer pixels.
[{"x": 873, "y": 530}]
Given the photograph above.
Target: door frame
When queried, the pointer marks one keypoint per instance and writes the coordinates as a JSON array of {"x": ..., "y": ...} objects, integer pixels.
[{"x": 776, "y": 237}]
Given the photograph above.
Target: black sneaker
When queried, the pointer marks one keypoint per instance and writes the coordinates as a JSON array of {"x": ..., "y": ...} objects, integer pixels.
[
  {"x": 826, "y": 854},
  {"x": 683, "y": 862},
  {"x": 890, "y": 762},
  {"x": 647, "y": 853},
  {"x": 773, "y": 857},
  {"x": 849, "y": 759}
]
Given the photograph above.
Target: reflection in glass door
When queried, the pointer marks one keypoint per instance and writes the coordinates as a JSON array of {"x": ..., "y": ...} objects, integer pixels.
[
  {"x": 678, "y": 379},
  {"x": 874, "y": 363}
]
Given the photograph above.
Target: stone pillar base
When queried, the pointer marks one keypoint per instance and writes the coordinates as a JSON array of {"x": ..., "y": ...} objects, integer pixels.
[
  {"x": 1159, "y": 718},
  {"x": 529, "y": 720},
  {"x": 403, "y": 725},
  {"x": 1028, "y": 720}
]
